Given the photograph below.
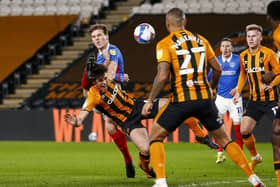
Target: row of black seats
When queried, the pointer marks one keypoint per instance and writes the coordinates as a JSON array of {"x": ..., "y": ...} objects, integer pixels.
[{"x": 42, "y": 57}]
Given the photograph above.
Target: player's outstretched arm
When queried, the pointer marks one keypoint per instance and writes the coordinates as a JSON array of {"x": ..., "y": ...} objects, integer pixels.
[{"x": 74, "y": 119}]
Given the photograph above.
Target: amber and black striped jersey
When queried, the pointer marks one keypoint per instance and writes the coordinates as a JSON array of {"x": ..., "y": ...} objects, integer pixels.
[
  {"x": 187, "y": 54},
  {"x": 115, "y": 102},
  {"x": 276, "y": 39},
  {"x": 254, "y": 66}
]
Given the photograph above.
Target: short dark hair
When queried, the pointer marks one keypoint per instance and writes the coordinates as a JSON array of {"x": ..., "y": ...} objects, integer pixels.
[
  {"x": 178, "y": 14},
  {"x": 96, "y": 71},
  {"x": 98, "y": 26},
  {"x": 226, "y": 39},
  {"x": 273, "y": 10}
]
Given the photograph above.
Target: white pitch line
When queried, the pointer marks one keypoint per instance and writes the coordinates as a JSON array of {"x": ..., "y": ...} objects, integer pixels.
[{"x": 212, "y": 183}]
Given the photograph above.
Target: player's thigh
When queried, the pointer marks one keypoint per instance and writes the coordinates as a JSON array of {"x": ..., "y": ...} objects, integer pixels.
[
  {"x": 173, "y": 114},
  {"x": 139, "y": 136},
  {"x": 110, "y": 125},
  {"x": 236, "y": 110},
  {"x": 208, "y": 115},
  {"x": 222, "y": 104}
]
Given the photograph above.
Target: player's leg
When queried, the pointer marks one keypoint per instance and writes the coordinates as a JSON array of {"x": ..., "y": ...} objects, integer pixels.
[
  {"x": 200, "y": 135},
  {"x": 276, "y": 147},
  {"x": 120, "y": 140},
  {"x": 248, "y": 124},
  {"x": 140, "y": 138},
  {"x": 168, "y": 119},
  {"x": 222, "y": 105},
  {"x": 157, "y": 153},
  {"x": 217, "y": 129},
  {"x": 236, "y": 111},
  {"x": 236, "y": 155}
]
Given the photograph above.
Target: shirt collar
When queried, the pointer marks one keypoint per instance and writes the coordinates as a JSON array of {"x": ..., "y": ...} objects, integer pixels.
[
  {"x": 99, "y": 51},
  {"x": 227, "y": 60}
]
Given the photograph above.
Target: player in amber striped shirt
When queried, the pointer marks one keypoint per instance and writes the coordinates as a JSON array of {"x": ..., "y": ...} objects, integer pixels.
[
  {"x": 108, "y": 97},
  {"x": 273, "y": 15},
  {"x": 254, "y": 63},
  {"x": 183, "y": 57}
]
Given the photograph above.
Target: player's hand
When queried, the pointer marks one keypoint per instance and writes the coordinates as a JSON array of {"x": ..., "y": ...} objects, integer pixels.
[
  {"x": 214, "y": 94},
  {"x": 268, "y": 77},
  {"x": 266, "y": 87},
  {"x": 72, "y": 120},
  {"x": 232, "y": 92},
  {"x": 106, "y": 55},
  {"x": 126, "y": 78},
  {"x": 147, "y": 108},
  {"x": 235, "y": 98}
]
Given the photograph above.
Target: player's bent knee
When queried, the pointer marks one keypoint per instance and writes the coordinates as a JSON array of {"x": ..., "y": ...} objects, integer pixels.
[{"x": 276, "y": 128}]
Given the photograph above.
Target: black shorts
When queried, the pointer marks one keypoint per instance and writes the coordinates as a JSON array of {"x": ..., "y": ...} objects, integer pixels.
[
  {"x": 134, "y": 120},
  {"x": 256, "y": 110},
  {"x": 176, "y": 113}
]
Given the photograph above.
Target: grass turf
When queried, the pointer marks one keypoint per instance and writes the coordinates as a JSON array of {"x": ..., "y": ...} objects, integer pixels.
[{"x": 100, "y": 165}]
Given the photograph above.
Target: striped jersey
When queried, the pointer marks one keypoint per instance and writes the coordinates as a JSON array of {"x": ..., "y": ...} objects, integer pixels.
[
  {"x": 276, "y": 39},
  {"x": 187, "y": 54},
  {"x": 115, "y": 102},
  {"x": 254, "y": 66},
  {"x": 115, "y": 56}
]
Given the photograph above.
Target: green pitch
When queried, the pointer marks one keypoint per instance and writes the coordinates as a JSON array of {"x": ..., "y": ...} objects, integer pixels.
[{"x": 100, "y": 165}]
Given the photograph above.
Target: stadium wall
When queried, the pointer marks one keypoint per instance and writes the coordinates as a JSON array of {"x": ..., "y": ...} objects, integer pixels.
[{"x": 49, "y": 125}]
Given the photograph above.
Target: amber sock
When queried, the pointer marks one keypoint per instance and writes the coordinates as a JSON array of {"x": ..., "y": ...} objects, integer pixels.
[
  {"x": 238, "y": 157},
  {"x": 193, "y": 124},
  {"x": 157, "y": 155},
  {"x": 277, "y": 171},
  {"x": 250, "y": 142}
]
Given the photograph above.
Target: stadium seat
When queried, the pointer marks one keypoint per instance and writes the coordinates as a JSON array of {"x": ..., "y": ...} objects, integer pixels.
[
  {"x": 5, "y": 10},
  {"x": 50, "y": 2},
  {"x": 51, "y": 10},
  {"x": 16, "y": 10},
  {"x": 5, "y": 3},
  {"x": 27, "y": 11},
  {"x": 40, "y": 10},
  {"x": 74, "y": 9},
  {"x": 38, "y": 3},
  {"x": 62, "y": 9},
  {"x": 29, "y": 3},
  {"x": 157, "y": 8}
]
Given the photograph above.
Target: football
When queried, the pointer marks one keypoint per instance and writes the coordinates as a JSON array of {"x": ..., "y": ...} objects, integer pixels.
[
  {"x": 92, "y": 137},
  {"x": 144, "y": 33}
]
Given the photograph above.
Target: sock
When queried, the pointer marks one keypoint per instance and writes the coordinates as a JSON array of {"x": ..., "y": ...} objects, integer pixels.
[
  {"x": 238, "y": 136},
  {"x": 158, "y": 158},
  {"x": 193, "y": 124},
  {"x": 250, "y": 142},
  {"x": 120, "y": 140},
  {"x": 238, "y": 157},
  {"x": 277, "y": 171}
]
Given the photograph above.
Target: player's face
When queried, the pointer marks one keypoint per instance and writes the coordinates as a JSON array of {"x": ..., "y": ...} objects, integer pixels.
[
  {"x": 226, "y": 48},
  {"x": 101, "y": 83},
  {"x": 254, "y": 39},
  {"x": 99, "y": 39}
]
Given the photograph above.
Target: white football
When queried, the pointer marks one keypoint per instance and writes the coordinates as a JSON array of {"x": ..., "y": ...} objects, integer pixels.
[
  {"x": 144, "y": 33},
  {"x": 92, "y": 136}
]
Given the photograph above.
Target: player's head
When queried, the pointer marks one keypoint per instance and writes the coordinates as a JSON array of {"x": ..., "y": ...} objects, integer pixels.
[
  {"x": 97, "y": 75},
  {"x": 175, "y": 19},
  {"x": 226, "y": 47},
  {"x": 253, "y": 35},
  {"x": 273, "y": 10},
  {"x": 99, "y": 35}
]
